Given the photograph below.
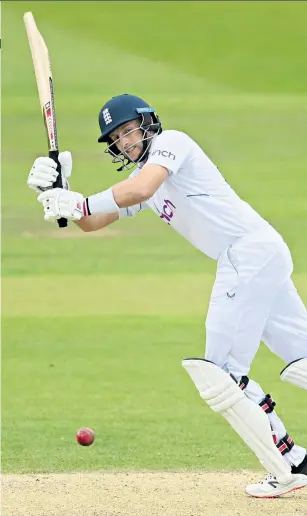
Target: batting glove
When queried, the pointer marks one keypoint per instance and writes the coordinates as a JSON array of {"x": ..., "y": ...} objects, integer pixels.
[
  {"x": 43, "y": 173},
  {"x": 59, "y": 203}
]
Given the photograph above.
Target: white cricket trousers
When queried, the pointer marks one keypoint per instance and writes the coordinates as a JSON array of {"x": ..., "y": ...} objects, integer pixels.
[{"x": 254, "y": 299}]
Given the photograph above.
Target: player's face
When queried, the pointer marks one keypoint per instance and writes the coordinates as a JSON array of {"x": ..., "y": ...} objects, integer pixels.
[{"x": 128, "y": 139}]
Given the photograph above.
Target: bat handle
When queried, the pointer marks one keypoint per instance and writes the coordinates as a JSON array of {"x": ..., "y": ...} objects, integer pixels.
[{"x": 54, "y": 154}]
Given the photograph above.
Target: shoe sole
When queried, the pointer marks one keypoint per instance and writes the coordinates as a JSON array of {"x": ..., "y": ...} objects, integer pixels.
[{"x": 277, "y": 495}]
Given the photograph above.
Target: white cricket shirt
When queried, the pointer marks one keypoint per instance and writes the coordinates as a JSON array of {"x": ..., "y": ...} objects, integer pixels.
[{"x": 195, "y": 200}]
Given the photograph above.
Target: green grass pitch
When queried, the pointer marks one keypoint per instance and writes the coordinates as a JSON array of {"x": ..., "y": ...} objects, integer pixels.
[{"x": 94, "y": 328}]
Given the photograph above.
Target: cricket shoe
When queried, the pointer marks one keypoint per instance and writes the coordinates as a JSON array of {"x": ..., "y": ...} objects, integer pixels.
[{"x": 271, "y": 488}]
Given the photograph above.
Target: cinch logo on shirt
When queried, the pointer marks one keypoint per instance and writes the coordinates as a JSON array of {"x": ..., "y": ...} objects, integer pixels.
[
  {"x": 167, "y": 210},
  {"x": 164, "y": 153}
]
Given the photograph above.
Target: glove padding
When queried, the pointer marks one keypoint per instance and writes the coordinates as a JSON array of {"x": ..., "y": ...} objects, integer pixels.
[
  {"x": 43, "y": 173},
  {"x": 59, "y": 203}
]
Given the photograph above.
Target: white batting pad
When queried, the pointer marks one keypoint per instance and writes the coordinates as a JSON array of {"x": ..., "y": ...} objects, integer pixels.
[
  {"x": 296, "y": 372},
  {"x": 247, "y": 418}
]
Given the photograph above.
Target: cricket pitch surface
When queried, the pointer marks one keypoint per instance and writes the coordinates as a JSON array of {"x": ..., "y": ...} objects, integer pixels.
[{"x": 142, "y": 493}]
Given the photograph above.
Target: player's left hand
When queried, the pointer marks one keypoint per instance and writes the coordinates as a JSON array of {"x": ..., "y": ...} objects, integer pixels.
[
  {"x": 44, "y": 172},
  {"x": 59, "y": 203}
]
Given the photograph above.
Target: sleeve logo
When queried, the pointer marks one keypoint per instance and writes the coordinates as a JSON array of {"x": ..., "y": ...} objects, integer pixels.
[{"x": 164, "y": 153}]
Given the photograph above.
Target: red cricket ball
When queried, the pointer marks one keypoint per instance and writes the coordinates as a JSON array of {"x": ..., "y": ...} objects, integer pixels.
[{"x": 85, "y": 436}]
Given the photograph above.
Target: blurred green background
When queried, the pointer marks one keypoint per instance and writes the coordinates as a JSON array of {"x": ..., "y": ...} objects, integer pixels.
[{"x": 95, "y": 326}]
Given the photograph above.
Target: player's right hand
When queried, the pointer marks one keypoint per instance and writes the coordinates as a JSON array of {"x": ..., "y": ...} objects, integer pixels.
[{"x": 43, "y": 172}]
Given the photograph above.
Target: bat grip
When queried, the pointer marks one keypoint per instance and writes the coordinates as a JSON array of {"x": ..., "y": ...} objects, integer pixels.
[{"x": 62, "y": 223}]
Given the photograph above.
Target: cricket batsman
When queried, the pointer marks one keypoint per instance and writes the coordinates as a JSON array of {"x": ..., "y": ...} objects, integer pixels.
[{"x": 253, "y": 296}]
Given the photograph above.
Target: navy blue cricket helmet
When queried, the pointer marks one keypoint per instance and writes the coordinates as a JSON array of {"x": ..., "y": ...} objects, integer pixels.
[{"x": 119, "y": 110}]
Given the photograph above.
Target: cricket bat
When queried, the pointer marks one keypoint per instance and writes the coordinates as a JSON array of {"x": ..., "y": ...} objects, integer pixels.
[{"x": 42, "y": 68}]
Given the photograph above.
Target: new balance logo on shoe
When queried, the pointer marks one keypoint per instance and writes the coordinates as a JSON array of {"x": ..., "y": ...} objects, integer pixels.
[
  {"x": 273, "y": 483},
  {"x": 271, "y": 488}
]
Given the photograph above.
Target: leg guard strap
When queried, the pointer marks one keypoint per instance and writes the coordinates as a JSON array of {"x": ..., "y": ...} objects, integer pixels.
[
  {"x": 285, "y": 444},
  {"x": 267, "y": 404}
]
